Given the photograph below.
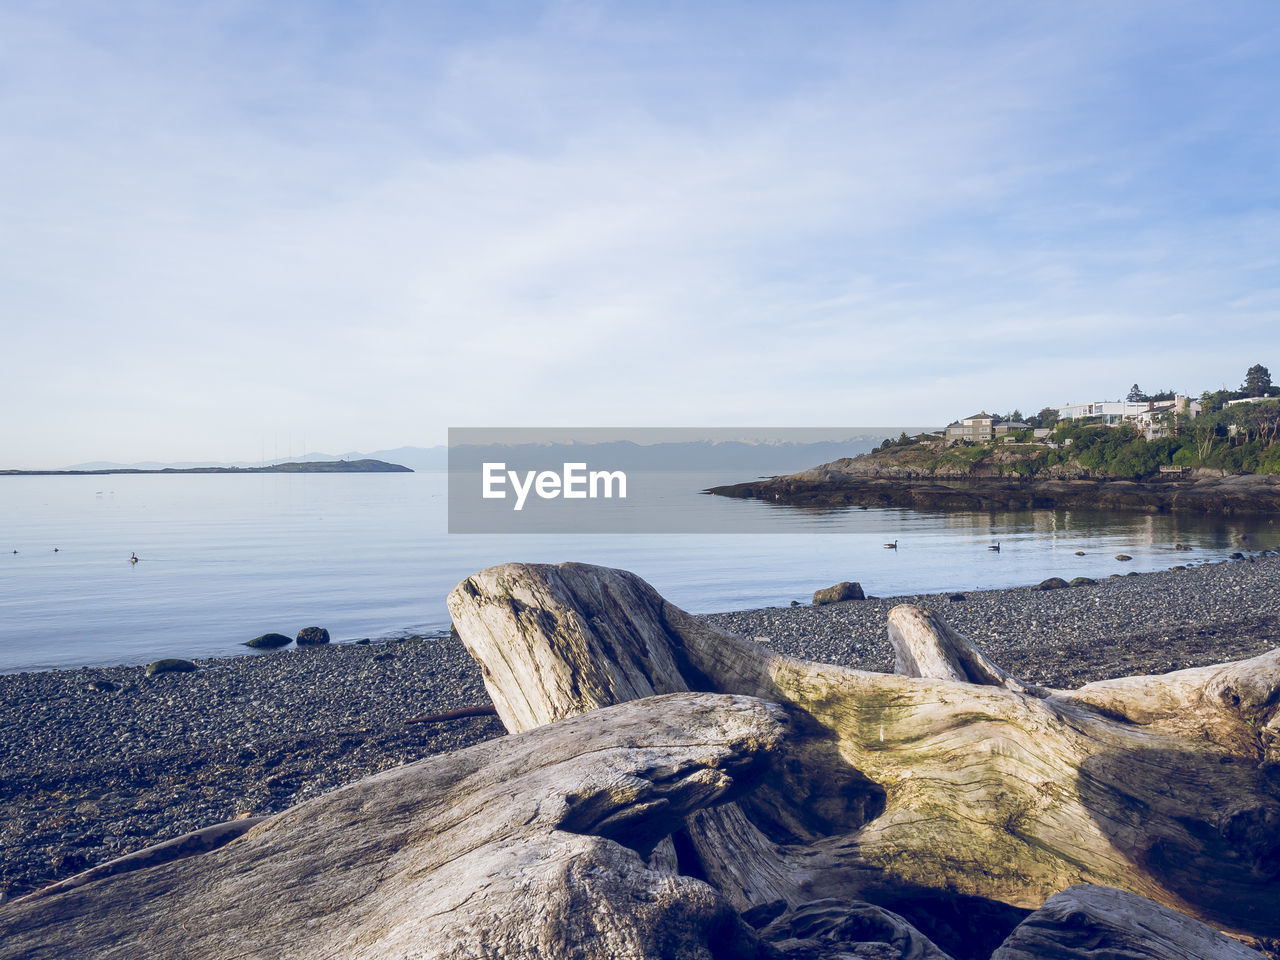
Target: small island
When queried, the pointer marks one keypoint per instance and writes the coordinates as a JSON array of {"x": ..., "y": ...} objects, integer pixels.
[
  {"x": 1150, "y": 452},
  {"x": 318, "y": 466}
]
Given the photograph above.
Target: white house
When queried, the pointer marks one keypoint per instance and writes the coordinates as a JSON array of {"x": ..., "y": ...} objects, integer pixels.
[
  {"x": 1265, "y": 396},
  {"x": 1111, "y": 411},
  {"x": 1146, "y": 415}
]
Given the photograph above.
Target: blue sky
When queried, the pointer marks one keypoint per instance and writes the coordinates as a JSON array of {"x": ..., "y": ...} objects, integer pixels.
[{"x": 225, "y": 224}]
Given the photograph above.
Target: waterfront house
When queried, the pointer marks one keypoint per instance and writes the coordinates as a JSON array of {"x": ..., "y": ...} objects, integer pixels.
[
  {"x": 1005, "y": 426},
  {"x": 1160, "y": 419},
  {"x": 1110, "y": 412},
  {"x": 1149, "y": 416},
  {"x": 979, "y": 427}
]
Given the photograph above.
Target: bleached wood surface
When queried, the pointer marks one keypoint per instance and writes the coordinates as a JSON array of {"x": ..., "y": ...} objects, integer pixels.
[
  {"x": 971, "y": 784},
  {"x": 502, "y": 849},
  {"x": 749, "y": 806},
  {"x": 1092, "y": 923}
]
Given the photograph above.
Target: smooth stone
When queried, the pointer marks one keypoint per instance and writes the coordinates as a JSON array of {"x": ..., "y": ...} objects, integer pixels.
[
  {"x": 1083, "y": 581},
  {"x": 268, "y": 641},
  {"x": 170, "y": 665},
  {"x": 102, "y": 686},
  {"x": 842, "y": 591},
  {"x": 312, "y": 636},
  {"x": 1053, "y": 583},
  {"x": 1123, "y": 556}
]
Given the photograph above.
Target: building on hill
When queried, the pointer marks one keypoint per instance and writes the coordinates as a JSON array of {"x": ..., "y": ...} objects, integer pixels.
[
  {"x": 1264, "y": 397},
  {"x": 1111, "y": 412},
  {"x": 979, "y": 427},
  {"x": 1161, "y": 418},
  {"x": 1005, "y": 426},
  {"x": 1149, "y": 416}
]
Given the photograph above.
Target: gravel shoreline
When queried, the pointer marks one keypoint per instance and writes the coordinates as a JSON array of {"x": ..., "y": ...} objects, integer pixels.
[{"x": 87, "y": 776}]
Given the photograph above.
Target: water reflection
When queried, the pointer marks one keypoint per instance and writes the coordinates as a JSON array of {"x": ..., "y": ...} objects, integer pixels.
[{"x": 227, "y": 558}]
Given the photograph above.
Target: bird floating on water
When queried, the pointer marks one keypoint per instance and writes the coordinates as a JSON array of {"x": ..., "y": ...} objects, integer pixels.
[
  {"x": 891, "y": 546},
  {"x": 995, "y": 546},
  {"x": 133, "y": 557}
]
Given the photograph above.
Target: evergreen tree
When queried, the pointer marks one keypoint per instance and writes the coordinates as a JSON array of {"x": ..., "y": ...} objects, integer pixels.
[
  {"x": 1135, "y": 394},
  {"x": 1257, "y": 381}
]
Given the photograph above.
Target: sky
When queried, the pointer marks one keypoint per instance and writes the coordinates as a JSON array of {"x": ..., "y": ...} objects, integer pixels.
[{"x": 231, "y": 227}]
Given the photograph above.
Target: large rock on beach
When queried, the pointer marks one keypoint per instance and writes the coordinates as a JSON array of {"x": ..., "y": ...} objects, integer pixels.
[
  {"x": 312, "y": 636},
  {"x": 1053, "y": 583},
  {"x": 170, "y": 665},
  {"x": 268, "y": 641},
  {"x": 845, "y": 590}
]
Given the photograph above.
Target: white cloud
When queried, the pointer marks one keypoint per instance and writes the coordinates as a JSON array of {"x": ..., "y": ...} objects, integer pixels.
[{"x": 244, "y": 225}]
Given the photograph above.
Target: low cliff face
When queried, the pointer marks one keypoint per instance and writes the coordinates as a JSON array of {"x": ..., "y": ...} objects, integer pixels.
[
  {"x": 830, "y": 486},
  {"x": 939, "y": 461},
  {"x": 1000, "y": 464}
]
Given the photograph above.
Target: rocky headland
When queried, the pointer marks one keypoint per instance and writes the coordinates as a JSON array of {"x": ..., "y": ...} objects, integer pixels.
[{"x": 860, "y": 482}]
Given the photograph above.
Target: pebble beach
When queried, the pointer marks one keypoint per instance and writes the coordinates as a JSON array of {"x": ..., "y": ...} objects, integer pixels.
[{"x": 87, "y": 774}]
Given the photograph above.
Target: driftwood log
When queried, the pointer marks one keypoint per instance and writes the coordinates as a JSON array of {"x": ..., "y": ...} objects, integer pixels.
[
  {"x": 672, "y": 792},
  {"x": 1089, "y": 923},
  {"x": 950, "y": 792},
  {"x": 526, "y": 846}
]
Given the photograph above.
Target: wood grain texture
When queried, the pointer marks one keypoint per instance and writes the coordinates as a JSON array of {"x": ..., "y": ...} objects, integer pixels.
[
  {"x": 970, "y": 783},
  {"x": 527, "y": 846},
  {"x": 1098, "y": 923}
]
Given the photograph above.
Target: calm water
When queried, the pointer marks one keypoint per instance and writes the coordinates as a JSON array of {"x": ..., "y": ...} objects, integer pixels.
[{"x": 225, "y": 558}]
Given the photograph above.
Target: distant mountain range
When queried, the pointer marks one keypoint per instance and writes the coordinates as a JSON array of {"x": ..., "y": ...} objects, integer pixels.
[
  {"x": 701, "y": 455},
  {"x": 764, "y": 457}
]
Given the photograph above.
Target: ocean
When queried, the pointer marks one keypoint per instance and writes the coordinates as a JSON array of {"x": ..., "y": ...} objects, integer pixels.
[{"x": 226, "y": 557}]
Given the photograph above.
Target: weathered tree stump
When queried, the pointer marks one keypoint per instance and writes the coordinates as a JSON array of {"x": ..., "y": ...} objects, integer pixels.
[{"x": 912, "y": 791}]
